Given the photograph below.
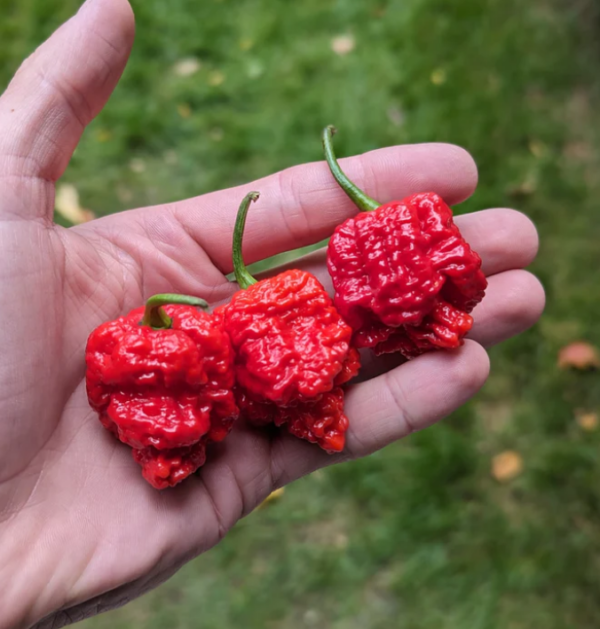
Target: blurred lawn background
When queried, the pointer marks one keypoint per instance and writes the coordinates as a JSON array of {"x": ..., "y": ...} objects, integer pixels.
[{"x": 421, "y": 535}]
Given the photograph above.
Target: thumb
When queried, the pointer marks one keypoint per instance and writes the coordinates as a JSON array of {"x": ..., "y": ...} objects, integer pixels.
[{"x": 57, "y": 91}]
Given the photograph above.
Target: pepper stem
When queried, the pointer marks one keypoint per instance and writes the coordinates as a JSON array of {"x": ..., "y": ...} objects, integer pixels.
[
  {"x": 157, "y": 318},
  {"x": 364, "y": 202},
  {"x": 242, "y": 276}
]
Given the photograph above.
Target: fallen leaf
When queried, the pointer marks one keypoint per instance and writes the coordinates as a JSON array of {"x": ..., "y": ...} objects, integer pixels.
[
  {"x": 67, "y": 204},
  {"x": 216, "y": 78},
  {"x": 579, "y": 355},
  {"x": 343, "y": 44},
  {"x": 184, "y": 110},
  {"x": 506, "y": 466},
  {"x": 187, "y": 66},
  {"x": 438, "y": 76},
  {"x": 537, "y": 148},
  {"x": 273, "y": 496},
  {"x": 587, "y": 421},
  {"x": 103, "y": 135}
]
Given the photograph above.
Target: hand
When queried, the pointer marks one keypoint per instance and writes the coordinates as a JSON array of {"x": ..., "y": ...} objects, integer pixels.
[{"x": 80, "y": 530}]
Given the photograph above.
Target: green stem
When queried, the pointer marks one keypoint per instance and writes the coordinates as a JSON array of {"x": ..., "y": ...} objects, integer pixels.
[
  {"x": 157, "y": 318},
  {"x": 364, "y": 202},
  {"x": 243, "y": 278}
]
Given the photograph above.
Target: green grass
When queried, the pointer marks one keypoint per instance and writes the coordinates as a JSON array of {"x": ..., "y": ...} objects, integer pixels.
[{"x": 419, "y": 535}]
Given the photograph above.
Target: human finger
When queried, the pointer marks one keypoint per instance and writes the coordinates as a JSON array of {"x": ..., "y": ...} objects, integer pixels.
[
  {"x": 505, "y": 239},
  {"x": 514, "y": 301},
  {"x": 303, "y": 204},
  {"x": 57, "y": 91},
  {"x": 409, "y": 398}
]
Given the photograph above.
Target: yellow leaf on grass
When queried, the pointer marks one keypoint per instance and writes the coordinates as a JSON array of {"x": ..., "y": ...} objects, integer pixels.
[
  {"x": 506, "y": 466},
  {"x": 579, "y": 355},
  {"x": 537, "y": 148},
  {"x": 67, "y": 204},
  {"x": 184, "y": 110},
  {"x": 588, "y": 421},
  {"x": 216, "y": 78},
  {"x": 438, "y": 76},
  {"x": 273, "y": 496},
  {"x": 103, "y": 135}
]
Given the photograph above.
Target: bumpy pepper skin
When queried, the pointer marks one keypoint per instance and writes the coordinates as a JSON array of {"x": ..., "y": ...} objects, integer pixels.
[
  {"x": 404, "y": 277},
  {"x": 292, "y": 350},
  {"x": 165, "y": 392},
  {"x": 292, "y": 354},
  {"x": 167, "y": 468}
]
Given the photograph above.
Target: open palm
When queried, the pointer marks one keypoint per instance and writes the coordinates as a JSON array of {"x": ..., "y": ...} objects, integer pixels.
[{"x": 80, "y": 530}]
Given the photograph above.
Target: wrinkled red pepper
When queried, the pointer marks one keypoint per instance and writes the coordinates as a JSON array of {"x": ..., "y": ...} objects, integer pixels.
[
  {"x": 404, "y": 277},
  {"x": 161, "y": 379},
  {"x": 292, "y": 351}
]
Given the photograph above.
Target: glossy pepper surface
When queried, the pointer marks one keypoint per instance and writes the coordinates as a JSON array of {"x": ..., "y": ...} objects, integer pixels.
[
  {"x": 292, "y": 351},
  {"x": 161, "y": 379},
  {"x": 404, "y": 277}
]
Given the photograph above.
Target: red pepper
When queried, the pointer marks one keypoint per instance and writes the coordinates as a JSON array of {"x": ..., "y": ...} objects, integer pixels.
[
  {"x": 404, "y": 277},
  {"x": 292, "y": 350},
  {"x": 161, "y": 379}
]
